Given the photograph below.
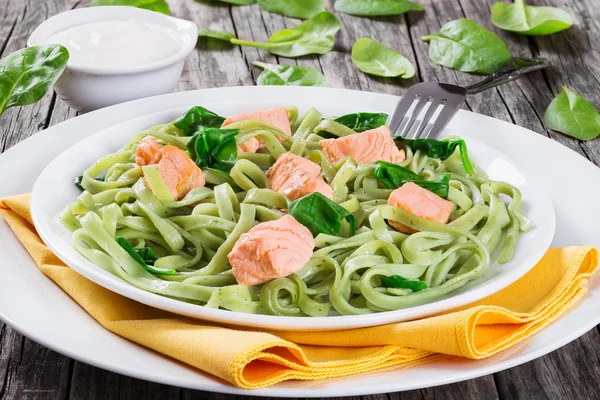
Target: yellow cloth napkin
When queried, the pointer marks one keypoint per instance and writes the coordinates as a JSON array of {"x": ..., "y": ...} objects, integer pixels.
[{"x": 252, "y": 359}]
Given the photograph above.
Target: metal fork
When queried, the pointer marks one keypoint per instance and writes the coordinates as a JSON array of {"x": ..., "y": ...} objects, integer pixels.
[{"x": 448, "y": 98}]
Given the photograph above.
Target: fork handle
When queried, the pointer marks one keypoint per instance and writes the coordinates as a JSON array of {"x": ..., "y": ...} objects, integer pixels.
[{"x": 516, "y": 68}]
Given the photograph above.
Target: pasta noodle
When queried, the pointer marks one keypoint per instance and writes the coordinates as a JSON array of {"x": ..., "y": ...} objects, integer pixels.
[{"x": 193, "y": 236}]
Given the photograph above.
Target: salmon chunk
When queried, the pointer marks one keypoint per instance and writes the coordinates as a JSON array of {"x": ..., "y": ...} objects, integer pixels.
[
  {"x": 179, "y": 172},
  {"x": 148, "y": 152},
  {"x": 295, "y": 177},
  {"x": 271, "y": 250},
  {"x": 368, "y": 146},
  {"x": 277, "y": 116},
  {"x": 420, "y": 202}
]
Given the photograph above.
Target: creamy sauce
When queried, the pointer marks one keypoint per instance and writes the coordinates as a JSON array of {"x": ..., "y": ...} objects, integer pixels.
[{"x": 118, "y": 43}]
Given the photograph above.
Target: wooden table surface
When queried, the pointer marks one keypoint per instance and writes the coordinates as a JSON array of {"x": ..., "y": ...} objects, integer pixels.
[{"x": 28, "y": 370}]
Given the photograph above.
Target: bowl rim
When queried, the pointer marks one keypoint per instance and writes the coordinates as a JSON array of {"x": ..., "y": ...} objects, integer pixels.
[{"x": 187, "y": 30}]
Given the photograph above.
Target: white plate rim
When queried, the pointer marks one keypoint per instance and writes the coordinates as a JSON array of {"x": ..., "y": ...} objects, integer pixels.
[
  {"x": 463, "y": 119},
  {"x": 544, "y": 225}
]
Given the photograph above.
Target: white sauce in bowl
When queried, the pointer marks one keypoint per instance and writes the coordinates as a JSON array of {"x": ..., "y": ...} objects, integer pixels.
[{"x": 118, "y": 43}]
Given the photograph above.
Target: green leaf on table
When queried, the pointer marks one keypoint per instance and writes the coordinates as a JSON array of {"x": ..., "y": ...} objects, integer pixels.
[
  {"x": 441, "y": 149},
  {"x": 394, "y": 176},
  {"x": 321, "y": 215},
  {"x": 143, "y": 257},
  {"x": 570, "y": 113},
  {"x": 160, "y": 6},
  {"x": 197, "y": 118},
  {"x": 398, "y": 282},
  {"x": 303, "y": 9},
  {"x": 214, "y": 148},
  {"x": 372, "y": 8},
  {"x": 289, "y": 75},
  {"x": 518, "y": 17},
  {"x": 239, "y": 2},
  {"x": 220, "y": 35},
  {"x": 314, "y": 36},
  {"x": 376, "y": 59},
  {"x": 360, "y": 122},
  {"x": 464, "y": 45},
  {"x": 27, "y": 74}
]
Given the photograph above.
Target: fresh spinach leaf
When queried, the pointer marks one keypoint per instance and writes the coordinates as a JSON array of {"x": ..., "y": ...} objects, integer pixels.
[
  {"x": 441, "y": 149},
  {"x": 371, "y": 8},
  {"x": 289, "y": 75},
  {"x": 197, "y": 118},
  {"x": 393, "y": 176},
  {"x": 302, "y": 9},
  {"x": 573, "y": 115},
  {"x": 396, "y": 281},
  {"x": 464, "y": 45},
  {"x": 520, "y": 18},
  {"x": 27, "y": 74},
  {"x": 160, "y": 6},
  {"x": 143, "y": 255},
  {"x": 360, "y": 122},
  {"x": 314, "y": 36},
  {"x": 376, "y": 59},
  {"x": 214, "y": 148},
  {"x": 220, "y": 35},
  {"x": 321, "y": 215}
]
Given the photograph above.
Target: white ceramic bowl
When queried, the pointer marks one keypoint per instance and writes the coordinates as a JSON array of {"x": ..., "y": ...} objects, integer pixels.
[
  {"x": 54, "y": 189},
  {"x": 87, "y": 88}
]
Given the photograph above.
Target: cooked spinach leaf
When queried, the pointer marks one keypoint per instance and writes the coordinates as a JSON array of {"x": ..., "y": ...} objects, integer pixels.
[
  {"x": 573, "y": 115},
  {"x": 393, "y": 176},
  {"x": 302, "y": 9},
  {"x": 79, "y": 179},
  {"x": 321, "y": 215},
  {"x": 214, "y": 148},
  {"x": 373, "y": 8},
  {"x": 441, "y": 149},
  {"x": 220, "y": 35},
  {"x": 314, "y": 36},
  {"x": 197, "y": 118},
  {"x": 396, "y": 281},
  {"x": 141, "y": 256},
  {"x": 160, "y": 6},
  {"x": 376, "y": 59},
  {"x": 464, "y": 45},
  {"x": 289, "y": 75},
  {"x": 521, "y": 18},
  {"x": 360, "y": 122},
  {"x": 27, "y": 74}
]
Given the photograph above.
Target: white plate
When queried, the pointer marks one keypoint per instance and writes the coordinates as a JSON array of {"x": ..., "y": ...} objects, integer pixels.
[
  {"x": 35, "y": 306},
  {"x": 54, "y": 189}
]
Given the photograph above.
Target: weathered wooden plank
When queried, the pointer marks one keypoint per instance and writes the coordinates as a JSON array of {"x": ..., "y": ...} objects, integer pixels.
[
  {"x": 30, "y": 371},
  {"x": 575, "y": 54},
  {"x": 390, "y": 31},
  {"x": 437, "y": 14},
  {"x": 570, "y": 372},
  {"x": 19, "y": 123},
  {"x": 90, "y": 383},
  {"x": 219, "y": 64}
]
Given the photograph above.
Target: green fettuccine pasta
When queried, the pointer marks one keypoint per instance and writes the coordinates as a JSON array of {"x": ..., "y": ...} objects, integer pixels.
[{"x": 362, "y": 266}]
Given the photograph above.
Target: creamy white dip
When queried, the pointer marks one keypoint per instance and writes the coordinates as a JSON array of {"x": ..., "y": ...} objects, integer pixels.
[{"x": 118, "y": 43}]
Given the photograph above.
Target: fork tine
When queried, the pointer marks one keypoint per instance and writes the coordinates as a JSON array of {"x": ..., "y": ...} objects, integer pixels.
[
  {"x": 433, "y": 106},
  {"x": 415, "y": 114},
  {"x": 400, "y": 111},
  {"x": 448, "y": 111}
]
